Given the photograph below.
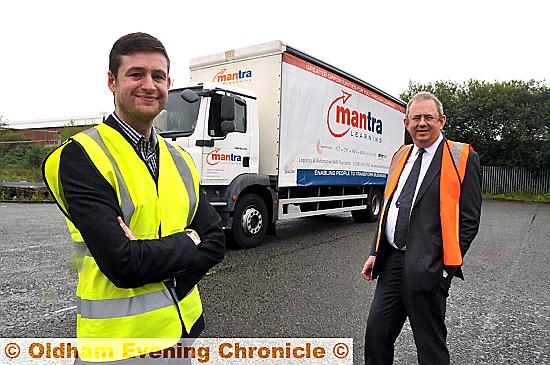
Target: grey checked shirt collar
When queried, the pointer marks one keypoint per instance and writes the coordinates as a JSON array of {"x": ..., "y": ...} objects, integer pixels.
[{"x": 145, "y": 148}]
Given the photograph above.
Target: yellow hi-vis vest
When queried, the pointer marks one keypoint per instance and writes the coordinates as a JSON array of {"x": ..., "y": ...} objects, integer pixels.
[
  {"x": 453, "y": 169},
  {"x": 104, "y": 310}
]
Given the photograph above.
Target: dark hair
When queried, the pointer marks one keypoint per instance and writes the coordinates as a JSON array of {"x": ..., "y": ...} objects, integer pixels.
[{"x": 133, "y": 43}]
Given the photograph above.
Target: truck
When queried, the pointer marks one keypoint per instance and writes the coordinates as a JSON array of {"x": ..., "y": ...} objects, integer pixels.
[{"x": 278, "y": 134}]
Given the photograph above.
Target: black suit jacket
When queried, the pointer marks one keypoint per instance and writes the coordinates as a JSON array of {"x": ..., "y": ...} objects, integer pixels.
[{"x": 424, "y": 255}]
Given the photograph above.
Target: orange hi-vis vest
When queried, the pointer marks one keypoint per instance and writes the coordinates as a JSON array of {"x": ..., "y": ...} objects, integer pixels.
[{"x": 453, "y": 169}]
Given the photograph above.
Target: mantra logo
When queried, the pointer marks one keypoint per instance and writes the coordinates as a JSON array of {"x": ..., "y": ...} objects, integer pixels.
[
  {"x": 215, "y": 157},
  {"x": 224, "y": 76},
  {"x": 341, "y": 119}
]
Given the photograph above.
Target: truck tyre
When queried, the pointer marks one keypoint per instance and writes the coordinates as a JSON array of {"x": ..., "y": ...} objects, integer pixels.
[
  {"x": 250, "y": 221},
  {"x": 374, "y": 207}
]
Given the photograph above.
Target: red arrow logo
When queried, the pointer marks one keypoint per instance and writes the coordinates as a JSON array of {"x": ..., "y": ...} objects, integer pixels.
[
  {"x": 210, "y": 160},
  {"x": 345, "y": 96},
  {"x": 222, "y": 71}
]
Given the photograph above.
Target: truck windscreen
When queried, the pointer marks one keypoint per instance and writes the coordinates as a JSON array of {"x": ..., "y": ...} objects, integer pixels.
[{"x": 179, "y": 117}]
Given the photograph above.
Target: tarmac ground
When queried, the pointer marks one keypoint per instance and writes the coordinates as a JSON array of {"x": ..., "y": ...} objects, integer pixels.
[{"x": 305, "y": 282}]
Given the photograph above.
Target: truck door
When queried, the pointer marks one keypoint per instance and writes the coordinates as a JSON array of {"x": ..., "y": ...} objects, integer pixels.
[{"x": 230, "y": 154}]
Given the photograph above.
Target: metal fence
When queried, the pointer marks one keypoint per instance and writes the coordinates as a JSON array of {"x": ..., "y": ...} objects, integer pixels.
[{"x": 499, "y": 180}]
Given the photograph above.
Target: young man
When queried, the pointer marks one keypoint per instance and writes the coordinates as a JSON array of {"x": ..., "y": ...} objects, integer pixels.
[
  {"x": 430, "y": 217},
  {"x": 143, "y": 233}
]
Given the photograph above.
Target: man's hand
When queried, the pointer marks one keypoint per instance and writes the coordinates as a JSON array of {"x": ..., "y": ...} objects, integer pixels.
[
  {"x": 126, "y": 230},
  {"x": 366, "y": 273}
]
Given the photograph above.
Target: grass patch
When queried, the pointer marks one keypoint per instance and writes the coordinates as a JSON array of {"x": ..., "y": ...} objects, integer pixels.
[{"x": 520, "y": 197}]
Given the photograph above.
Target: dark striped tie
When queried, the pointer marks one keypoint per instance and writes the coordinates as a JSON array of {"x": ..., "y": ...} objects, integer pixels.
[{"x": 404, "y": 203}]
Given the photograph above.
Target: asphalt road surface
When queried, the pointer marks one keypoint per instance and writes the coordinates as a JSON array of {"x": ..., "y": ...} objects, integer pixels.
[{"x": 305, "y": 282}]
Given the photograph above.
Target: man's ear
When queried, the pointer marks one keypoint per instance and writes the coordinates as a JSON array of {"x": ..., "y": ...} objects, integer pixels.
[
  {"x": 169, "y": 82},
  {"x": 111, "y": 81}
]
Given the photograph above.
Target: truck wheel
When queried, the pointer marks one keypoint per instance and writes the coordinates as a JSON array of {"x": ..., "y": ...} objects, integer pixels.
[
  {"x": 250, "y": 221},
  {"x": 374, "y": 207}
]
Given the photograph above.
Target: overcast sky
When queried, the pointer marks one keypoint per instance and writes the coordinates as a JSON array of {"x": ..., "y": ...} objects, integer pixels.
[{"x": 54, "y": 54}]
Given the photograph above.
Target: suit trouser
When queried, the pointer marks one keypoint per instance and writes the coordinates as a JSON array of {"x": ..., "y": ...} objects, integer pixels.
[{"x": 393, "y": 302}]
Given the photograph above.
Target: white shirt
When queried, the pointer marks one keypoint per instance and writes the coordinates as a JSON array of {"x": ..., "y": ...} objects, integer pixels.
[{"x": 427, "y": 158}]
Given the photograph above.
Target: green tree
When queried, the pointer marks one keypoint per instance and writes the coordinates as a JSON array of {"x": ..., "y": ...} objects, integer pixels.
[
  {"x": 8, "y": 138},
  {"x": 508, "y": 123},
  {"x": 20, "y": 159}
]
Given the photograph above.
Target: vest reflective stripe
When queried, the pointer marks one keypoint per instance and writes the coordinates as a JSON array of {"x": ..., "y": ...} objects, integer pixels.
[
  {"x": 81, "y": 249},
  {"x": 126, "y": 204},
  {"x": 453, "y": 169},
  {"x": 113, "y": 308},
  {"x": 397, "y": 163},
  {"x": 186, "y": 175},
  {"x": 105, "y": 310},
  {"x": 120, "y": 307}
]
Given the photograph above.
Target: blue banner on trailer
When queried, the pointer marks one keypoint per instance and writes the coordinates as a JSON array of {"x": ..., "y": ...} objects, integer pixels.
[{"x": 309, "y": 177}]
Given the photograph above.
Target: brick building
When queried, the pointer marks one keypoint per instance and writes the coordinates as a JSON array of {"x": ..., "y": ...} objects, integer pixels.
[{"x": 46, "y": 131}]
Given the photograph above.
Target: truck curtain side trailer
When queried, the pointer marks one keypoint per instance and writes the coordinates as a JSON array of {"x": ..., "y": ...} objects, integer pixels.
[{"x": 278, "y": 134}]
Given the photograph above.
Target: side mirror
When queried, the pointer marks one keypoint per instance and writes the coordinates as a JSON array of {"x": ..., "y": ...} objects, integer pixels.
[
  {"x": 227, "y": 108},
  {"x": 189, "y": 96},
  {"x": 227, "y": 126}
]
